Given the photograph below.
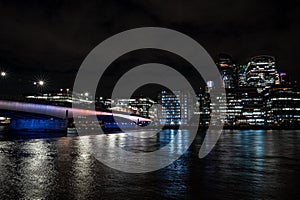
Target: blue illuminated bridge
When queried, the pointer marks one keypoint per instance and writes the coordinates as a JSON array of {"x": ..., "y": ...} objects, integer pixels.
[{"x": 26, "y": 116}]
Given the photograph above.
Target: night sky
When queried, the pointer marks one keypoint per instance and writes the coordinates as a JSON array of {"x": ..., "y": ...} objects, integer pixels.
[{"x": 50, "y": 39}]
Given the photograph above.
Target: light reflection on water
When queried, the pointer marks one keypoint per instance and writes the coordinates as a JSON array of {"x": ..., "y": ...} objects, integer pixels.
[{"x": 243, "y": 164}]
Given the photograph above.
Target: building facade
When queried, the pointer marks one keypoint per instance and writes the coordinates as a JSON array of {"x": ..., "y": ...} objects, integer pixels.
[
  {"x": 261, "y": 72},
  {"x": 282, "y": 105},
  {"x": 177, "y": 108}
]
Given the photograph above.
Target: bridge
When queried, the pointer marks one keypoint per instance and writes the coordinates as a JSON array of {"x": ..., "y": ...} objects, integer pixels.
[{"x": 37, "y": 116}]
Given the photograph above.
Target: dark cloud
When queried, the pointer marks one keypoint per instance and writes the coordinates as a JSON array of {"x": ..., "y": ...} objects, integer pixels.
[{"x": 55, "y": 36}]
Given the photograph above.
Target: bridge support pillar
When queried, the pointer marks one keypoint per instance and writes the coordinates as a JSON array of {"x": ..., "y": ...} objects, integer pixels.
[{"x": 39, "y": 125}]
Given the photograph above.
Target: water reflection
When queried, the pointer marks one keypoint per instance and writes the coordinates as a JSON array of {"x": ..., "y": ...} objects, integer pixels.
[
  {"x": 29, "y": 168},
  {"x": 244, "y": 164}
]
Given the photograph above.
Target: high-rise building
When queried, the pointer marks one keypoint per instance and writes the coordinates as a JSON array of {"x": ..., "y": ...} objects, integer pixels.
[
  {"x": 171, "y": 112},
  {"x": 252, "y": 107},
  {"x": 261, "y": 72},
  {"x": 233, "y": 107},
  {"x": 257, "y": 95},
  {"x": 203, "y": 104},
  {"x": 228, "y": 71},
  {"x": 242, "y": 75},
  {"x": 177, "y": 108},
  {"x": 282, "y": 104}
]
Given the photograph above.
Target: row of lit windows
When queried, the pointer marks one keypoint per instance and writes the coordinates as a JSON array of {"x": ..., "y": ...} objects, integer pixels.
[
  {"x": 285, "y": 98},
  {"x": 285, "y": 109}
]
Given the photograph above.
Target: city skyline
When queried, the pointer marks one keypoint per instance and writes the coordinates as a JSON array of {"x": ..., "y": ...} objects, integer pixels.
[
  {"x": 149, "y": 99},
  {"x": 257, "y": 95},
  {"x": 43, "y": 82}
]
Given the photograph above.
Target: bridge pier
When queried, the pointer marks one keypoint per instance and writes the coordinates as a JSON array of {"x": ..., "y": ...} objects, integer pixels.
[{"x": 39, "y": 125}]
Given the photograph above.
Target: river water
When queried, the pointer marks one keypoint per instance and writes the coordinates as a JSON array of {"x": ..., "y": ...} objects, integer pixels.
[{"x": 243, "y": 165}]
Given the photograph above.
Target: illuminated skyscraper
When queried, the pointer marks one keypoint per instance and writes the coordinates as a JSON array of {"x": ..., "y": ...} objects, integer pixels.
[
  {"x": 252, "y": 107},
  {"x": 283, "y": 106},
  {"x": 261, "y": 72},
  {"x": 242, "y": 75},
  {"x": 177, "y": 108},
  {"x": 227, "y": 70}
]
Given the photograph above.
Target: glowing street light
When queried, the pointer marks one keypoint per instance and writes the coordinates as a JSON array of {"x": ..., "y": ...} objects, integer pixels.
[
  {"x": 41, "y": 83},
  {"x": 3, "y": 74}
]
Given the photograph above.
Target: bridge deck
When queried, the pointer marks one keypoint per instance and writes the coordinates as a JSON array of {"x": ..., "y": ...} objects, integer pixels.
[{"x": 59, "y": 111}]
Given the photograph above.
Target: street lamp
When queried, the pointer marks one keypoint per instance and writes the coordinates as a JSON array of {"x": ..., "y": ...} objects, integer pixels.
[
  {"x": 41, "y": 83},
  {"x": 3, "y": 74}
]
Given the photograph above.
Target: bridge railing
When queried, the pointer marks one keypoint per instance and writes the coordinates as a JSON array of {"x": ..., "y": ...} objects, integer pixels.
[
  {"x": 56, "y": 103},
  {"x": 35, "y": 101}
]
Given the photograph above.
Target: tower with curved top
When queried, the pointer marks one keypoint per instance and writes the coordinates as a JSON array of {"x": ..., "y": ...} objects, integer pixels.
[{"x": 261, "y": 72}]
